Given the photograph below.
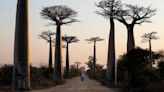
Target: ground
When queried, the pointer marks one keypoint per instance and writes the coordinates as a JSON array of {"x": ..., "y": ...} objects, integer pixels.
[{"x": 76, "y": 85}]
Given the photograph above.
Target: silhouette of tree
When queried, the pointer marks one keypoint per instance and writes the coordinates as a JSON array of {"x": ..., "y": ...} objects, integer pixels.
[
  {"x": 77, "y": 65},
  {"x": 110, "y": 9},
  {"x": 94, "y": 40},
  {"x": 48, "y": 36},
  {"x": 135, "y": 69},
  {"x": 90, "y": 62},
  {"x": 21, "y": 69},
  {"x": 132, "y": 15},
  {"x": 161, "y": 69},
  {"x": 68, "y": 40},
  {"x": 59, "y": 15},
  {"x": 148, "y": 37}
]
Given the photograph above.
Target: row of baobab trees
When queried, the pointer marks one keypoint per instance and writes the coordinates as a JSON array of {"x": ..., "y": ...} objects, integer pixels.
[
  {"x": 48, "y": 36},
  {"x": 59, "y": 15}
]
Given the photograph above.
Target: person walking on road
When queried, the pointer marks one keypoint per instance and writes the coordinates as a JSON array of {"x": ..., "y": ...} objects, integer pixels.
[{"x": 82, "y": 76}]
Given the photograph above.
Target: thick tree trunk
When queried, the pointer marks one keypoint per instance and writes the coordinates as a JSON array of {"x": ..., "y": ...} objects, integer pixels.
[
  {"x": 94, "y": 61},
  {"x": 67, "y": 61},
  {"x": 111, "y": 53},
  {"x": 50, "y": 55},
  {"x": 58, "y": 70},
  {"x": 21, "y": 70},
  {"x": 130, "y": 42}
]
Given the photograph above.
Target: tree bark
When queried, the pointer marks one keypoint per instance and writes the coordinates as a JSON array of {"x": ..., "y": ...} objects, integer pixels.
[
  {"x": 67, "y": 61},
  {"x": 50, "y": 54},
  {"x": 21, "y": 70},
  {"x": 58, "y": 70},
  {"x": 94, "y": 61},
  {"x": 130, "y": 42},
  {"x": 150, "y": 50},
  {"x": 111, "y": 53}
]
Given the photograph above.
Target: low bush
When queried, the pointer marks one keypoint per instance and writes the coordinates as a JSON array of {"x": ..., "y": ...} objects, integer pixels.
[
  {"x": 41, "y": 77},
  {"x": 6, "y": 74}
]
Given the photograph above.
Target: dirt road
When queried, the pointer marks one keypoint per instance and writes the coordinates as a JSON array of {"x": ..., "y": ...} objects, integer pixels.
[{"x": 75, "y": 85}]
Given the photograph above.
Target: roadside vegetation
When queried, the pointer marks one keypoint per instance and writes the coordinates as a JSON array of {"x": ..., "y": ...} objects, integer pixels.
[
  {"x": 41, "y": 77},
  {"x": 136, "y": 71}
]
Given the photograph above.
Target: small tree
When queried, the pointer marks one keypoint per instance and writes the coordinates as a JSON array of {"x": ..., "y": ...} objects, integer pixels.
[
  {"x": 59, "y": 15},
  {"x": 77, "y": 65},
  {"x": 48, "y": 36},
  {"x": 68, "y": 40},
  {"x": 90, "y": 65},
  {"x": 94, "y": 40},
  {"x": 132, "y": 15},
  {"x": 148, "y": 37}
]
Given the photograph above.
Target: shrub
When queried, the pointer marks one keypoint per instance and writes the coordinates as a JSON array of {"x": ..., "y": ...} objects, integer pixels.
[
  {"x": 40, "y": 77},
  {"x": 135, "y": 69},
  {"x": 161, "y": 69},
  {"x": 6, "y": 74}
]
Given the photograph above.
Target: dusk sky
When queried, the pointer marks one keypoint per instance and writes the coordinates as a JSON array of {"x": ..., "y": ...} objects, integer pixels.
[{"x": 90, "y": 25}]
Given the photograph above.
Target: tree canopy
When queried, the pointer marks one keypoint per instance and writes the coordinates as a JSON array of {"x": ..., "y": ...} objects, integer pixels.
[
  {"x": 135, "y": 14},
  {"x": 70, "y": 39},
  {"x": 60, "y": 14},
  {"x": 109, "y": 8}
]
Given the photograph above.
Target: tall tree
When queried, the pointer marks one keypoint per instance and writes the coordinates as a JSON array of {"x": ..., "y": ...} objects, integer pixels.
[
  {"x": 148, "y": 37},
  {"x": 68, "y": 40},
  {"x": 110, "y": 9},
  {"x": 59, "y": 15},
  {"x": 21, "y": 70},
  {"x": 132, "y": 15},
  {"x": 94, "y": 40},
  {"x": 48, "y": 36}
]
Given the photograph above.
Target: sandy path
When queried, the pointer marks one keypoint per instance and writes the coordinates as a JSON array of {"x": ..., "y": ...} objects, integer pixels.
[{"x": 75, "y": 85}]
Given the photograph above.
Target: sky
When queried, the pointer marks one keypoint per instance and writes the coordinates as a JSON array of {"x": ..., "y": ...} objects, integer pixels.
[{"x": 90, "y": 25}]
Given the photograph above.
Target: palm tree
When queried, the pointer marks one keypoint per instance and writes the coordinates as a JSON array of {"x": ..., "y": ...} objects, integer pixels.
[
  {"x": 21, "y": 70},
  {"x": 47, "y": 35},
  {"x": 148, "y": 37},
  {"x": 94, "y": 40},
  {"x": 110, "y": 9},
  {"x": 132, "y": 15},
  {"x": 59, "y": 15},
  {"x": 68, "y": 40}
]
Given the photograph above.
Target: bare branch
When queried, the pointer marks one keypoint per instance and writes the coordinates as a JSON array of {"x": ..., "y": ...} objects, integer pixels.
[
  {"x": 149, "y": 36},
  {"x": 109, "y": 8},
  {"x": 47, "y": 35},
  {"x": 69, "y": 22},
  {"x": 134, "y": 14}
]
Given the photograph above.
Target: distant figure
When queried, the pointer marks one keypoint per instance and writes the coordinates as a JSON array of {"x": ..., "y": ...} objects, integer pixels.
[{"x": 82, "y": 75}]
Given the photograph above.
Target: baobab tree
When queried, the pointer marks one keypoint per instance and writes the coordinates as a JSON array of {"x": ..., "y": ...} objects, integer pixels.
[
  {"x": 148, "y": 37},
  {"x": 77, "y": 64},
  {"x": 94, "y": 40},
  {"x": 68, "y": 40},
  {"x": 59, "y": 15},
  {"x": 48, "y": 36},
  {"x": 21, "y": 70},
  {"x": 132, "y": 15},
  {"x": 110, "y": 9}
]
